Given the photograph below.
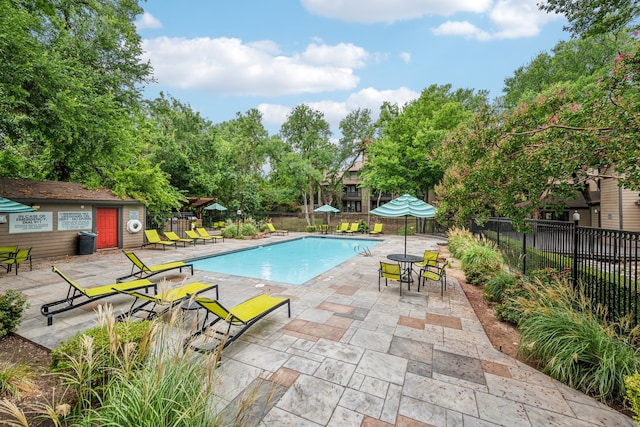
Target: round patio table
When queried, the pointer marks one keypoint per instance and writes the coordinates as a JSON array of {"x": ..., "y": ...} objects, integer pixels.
[{"x": 407, "y": 264}]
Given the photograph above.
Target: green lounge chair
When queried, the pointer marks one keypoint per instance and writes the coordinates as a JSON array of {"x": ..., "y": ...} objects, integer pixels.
[
  {"x": 142, "y": 271},
  {"x": 204, "y": 233},
  {"x": 78, "y": 296},
  {"x": 195, "y": 236},
  {"x": 165, "y": 300},
  {"x": 153, "y": 238},
  {"x": 342, "y": 228},
  {"x": 377, "y": 229},
  {"x": 175, "y": 238},
  {"x": 241, "y": 317},
  {"x": 273, "y": 230},
  {"x": 354, "y": 228}
]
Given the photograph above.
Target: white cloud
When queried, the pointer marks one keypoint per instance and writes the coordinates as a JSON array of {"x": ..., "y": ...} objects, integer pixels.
[
  {"x": 334, "y": 111},
  {"x": 342, "y": 54},
  {"x": 229, "y": 66},
  {"x": 461, "y": 28},
  {"x": 391, "y": 11},
  {"x": 510, "y": 19},
  {"x": 406, "y": 57},
  {"x": 147, "y": 20}
]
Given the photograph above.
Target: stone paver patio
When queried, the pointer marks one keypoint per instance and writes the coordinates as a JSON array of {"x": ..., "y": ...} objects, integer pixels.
[{"x": 349, "y": 355}]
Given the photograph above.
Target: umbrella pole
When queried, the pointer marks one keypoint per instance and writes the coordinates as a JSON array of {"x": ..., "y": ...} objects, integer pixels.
[{"x": 405, "y": 234}]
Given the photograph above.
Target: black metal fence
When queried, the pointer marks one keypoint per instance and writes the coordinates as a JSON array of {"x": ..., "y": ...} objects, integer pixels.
[{"x": 603, "y": 263}]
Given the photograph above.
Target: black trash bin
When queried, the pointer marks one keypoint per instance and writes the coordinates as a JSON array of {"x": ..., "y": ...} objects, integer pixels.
[{"x": 86, "y": 242}]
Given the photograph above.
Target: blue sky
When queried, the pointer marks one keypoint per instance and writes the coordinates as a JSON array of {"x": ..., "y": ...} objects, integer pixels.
[{"x": 224, "y": 57}]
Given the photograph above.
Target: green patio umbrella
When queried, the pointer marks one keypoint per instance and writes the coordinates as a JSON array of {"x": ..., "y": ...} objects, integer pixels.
[
  {"x": 9, "y": 206},
  {"x": 327, "y": 209},
  {"x": 215, "y": 207},
  {"x": 406, "y": 205}
]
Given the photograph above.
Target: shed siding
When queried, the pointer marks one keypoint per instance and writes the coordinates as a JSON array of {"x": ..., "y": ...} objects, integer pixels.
[
  {"x": 62, "y": 243},
  {"x": 609, "y": 207},
  {"x": 132, "y": 240}
]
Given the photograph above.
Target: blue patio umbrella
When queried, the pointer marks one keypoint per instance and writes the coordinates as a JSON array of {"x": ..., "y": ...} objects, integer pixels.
[
  {"x": 9, "y": 206},
  {"x": 215, "y": 207},
  {"x": 327, "y": 209},
  {"x": 406, "y": 205}
]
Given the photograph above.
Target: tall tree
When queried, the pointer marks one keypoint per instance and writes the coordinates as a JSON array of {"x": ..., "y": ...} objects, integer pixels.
[
  {"x": 593, "y": 17},
  {"x": 310, "y": 153},
  {"x": 401, "y": 159},
  {"x": 70, "y": 79}
]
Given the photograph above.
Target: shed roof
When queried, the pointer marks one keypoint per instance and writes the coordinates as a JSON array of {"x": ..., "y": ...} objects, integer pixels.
[{"x": 26, "y": 190}]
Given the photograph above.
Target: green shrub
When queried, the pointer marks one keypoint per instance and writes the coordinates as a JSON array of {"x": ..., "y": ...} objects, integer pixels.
[
  {"x": 510, "y": 308},
  {"x": 176, "y": 393},
  {"x": 576, "y": 346},
  {"x": 495, "y": 286},
  {"x": 311, "y": 228},
  {"x": 12, "y": 307},
  {"x": 480, "y": 262},
  {"x": 458, "y": 239},
  {"x": 632, "y": 384},
  {"x": 103, "y": 343}
]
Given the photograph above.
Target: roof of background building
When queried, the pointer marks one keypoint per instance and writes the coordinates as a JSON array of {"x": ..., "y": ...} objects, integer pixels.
[{"x": 25, "y": 190}]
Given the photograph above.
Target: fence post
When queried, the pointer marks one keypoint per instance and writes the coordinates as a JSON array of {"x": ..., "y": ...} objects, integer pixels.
[
  {"x": 524, "y": 253},
  {"x": 576, "y": 219}
]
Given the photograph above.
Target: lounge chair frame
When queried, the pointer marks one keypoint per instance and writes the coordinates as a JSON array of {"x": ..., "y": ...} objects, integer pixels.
[
  {"x": 195, "y": 237},
  {"x": 243, "y": 315},
  {"x": 144, "y": 271},
  {"x": 76, "y": 293},
  {"x": 172, "y": 236},
  {"x": 273, "y": 230},
  {"x": 153, "y": 238},
  {"x": 204, "y": 233},
  {"x": 168, "y": 299}
]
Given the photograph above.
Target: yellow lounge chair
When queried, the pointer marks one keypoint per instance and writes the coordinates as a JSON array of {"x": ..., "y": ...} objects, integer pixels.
[
  {"x": 242, "y": 316},
  {"x": 377, "y": 229},
  {"x": 342, "y": 228},
  {"x": 354, "y": 227},
  {"x": 204, "y": 233},
  {"x": 273, "y": 230},
  {"x": 78, "y": 296},
  {"x": 153, "y": 238},
  {"x": 139, "y": 268},
  {"x": 195, "y": 236},
  {"x": 175, "y": 238},
  {"x": 165, "y": 300}
]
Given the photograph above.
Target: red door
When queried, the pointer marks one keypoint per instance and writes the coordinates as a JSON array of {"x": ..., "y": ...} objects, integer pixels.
[{"x": 107, "y": 228}]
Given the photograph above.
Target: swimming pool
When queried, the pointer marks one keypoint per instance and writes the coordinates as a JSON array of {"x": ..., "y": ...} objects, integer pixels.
[{"x": 294, "y": 261}]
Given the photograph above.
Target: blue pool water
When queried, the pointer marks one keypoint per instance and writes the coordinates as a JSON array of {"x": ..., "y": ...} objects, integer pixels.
[{"x": 294, "y": 262}]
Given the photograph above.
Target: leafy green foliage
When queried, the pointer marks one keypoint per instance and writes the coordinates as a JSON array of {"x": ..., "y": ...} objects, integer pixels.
[
  {"x": 494, "y": 288},
  {"x": 632, "y": 385},
  {"x": 12, "y": 307},
  {"x": 480, "y": 262},
  {"x": 102, "y": 344},
  {"x": 174, "y": 393},
  {"x": 590, "y": 17},
  {"x": 400, "y": 160},
  {"x": 560, "y": 330}
]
